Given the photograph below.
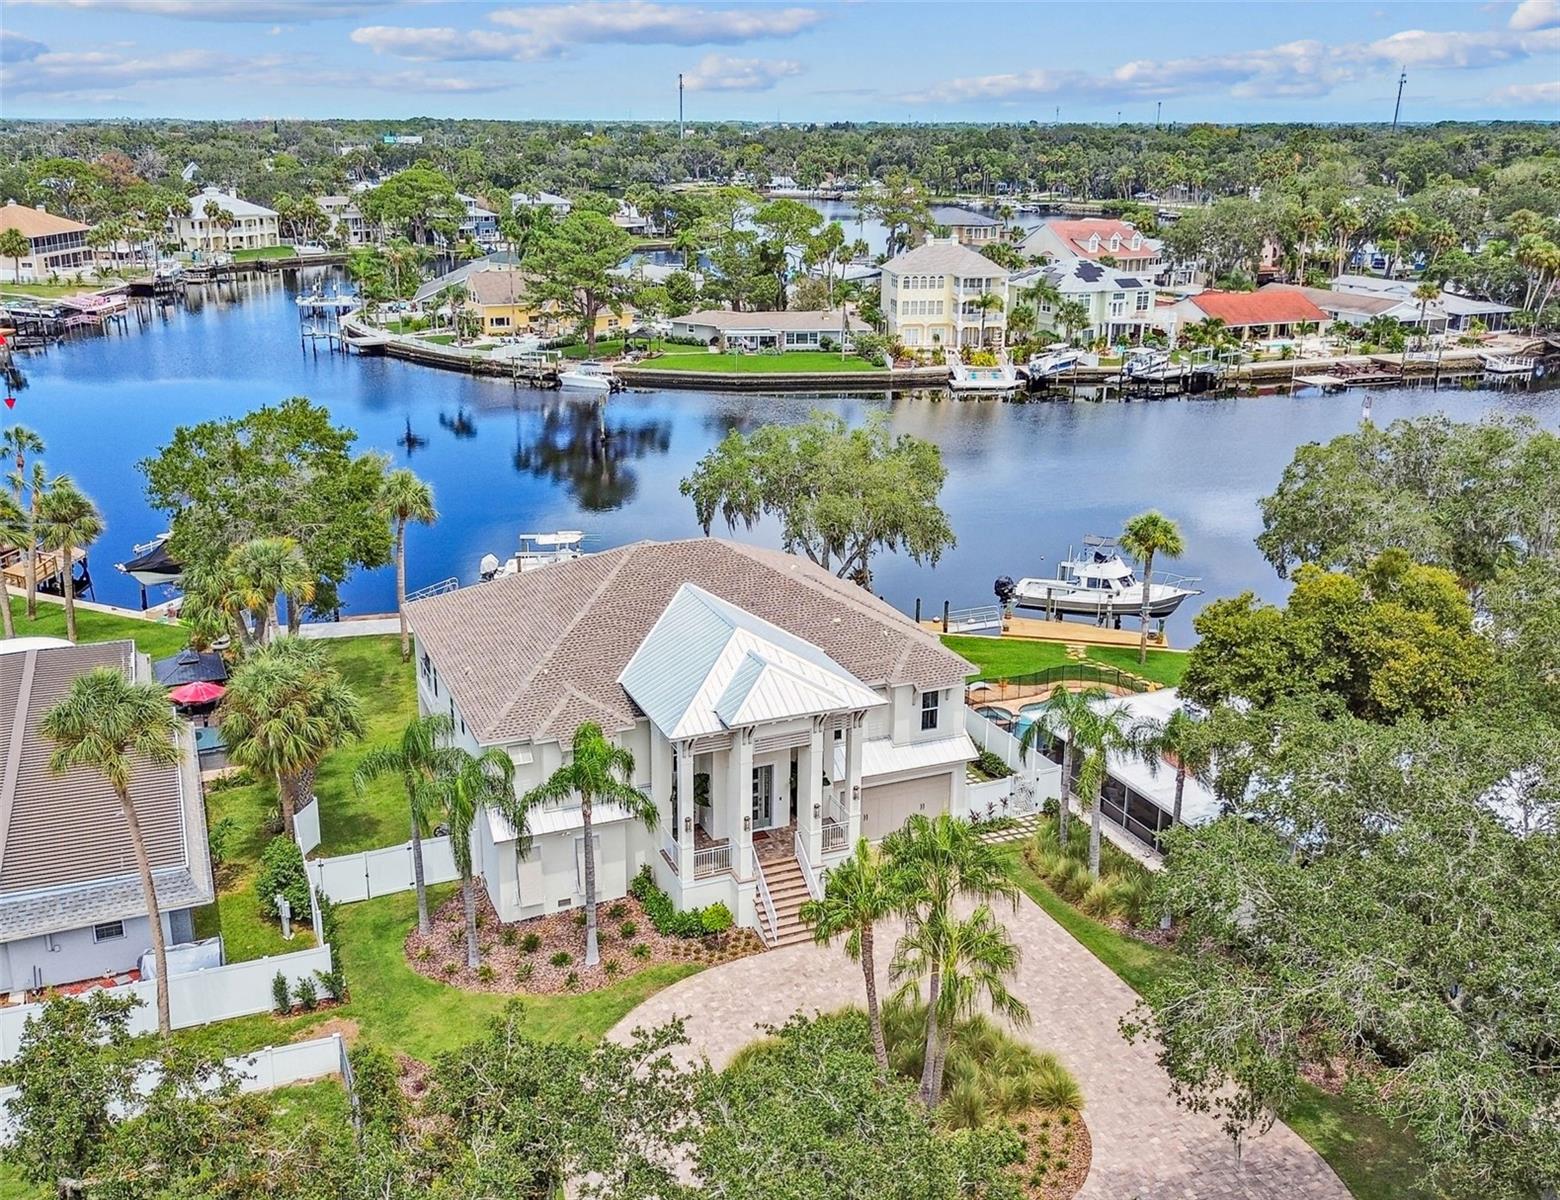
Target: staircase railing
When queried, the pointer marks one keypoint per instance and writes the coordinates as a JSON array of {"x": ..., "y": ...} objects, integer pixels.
[
  {"x": 434, "y": 589},
  {"x": 772, "y": 923},
  {"x": 814, "y": 888}
]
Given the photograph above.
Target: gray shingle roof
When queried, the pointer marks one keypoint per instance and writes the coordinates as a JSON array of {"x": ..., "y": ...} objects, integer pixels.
[
  {"x": 948, "y": 258},
  {"x": 532, "y": 656}
]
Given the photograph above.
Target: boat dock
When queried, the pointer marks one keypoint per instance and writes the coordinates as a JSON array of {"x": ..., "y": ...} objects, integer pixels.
[
  {"x": 14, "y": 565},
  {"x": 988, "y": 621}
]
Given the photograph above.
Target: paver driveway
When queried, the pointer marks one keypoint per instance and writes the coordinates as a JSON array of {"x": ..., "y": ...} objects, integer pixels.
[{"x": 1144, "y": 1146}]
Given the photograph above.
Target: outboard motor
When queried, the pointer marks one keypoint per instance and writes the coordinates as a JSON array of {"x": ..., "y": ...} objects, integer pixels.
[
  {"x": 1005, "y": 589},
  {"x": 488, "y": 567}
]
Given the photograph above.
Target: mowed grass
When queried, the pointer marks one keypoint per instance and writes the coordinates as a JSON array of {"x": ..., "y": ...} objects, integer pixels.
[
  {"x": 612, "y": 347},
  {"x": 1375, "y": 1160},
  {"x": 792, "y": 361},
  {"x": 156, "y": 638},
  {"x": 1005, "y": 658},
  {"x": 259, "y": 252}
]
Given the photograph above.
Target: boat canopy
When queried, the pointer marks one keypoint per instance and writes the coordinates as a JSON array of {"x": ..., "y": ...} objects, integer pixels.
[{"x": 155, "y": 559}]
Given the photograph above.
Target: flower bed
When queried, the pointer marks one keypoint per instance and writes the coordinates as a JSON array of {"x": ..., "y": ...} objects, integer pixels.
[
  {"x": 547, "y": 954},
  {"x": 1057, "y": 1153}
]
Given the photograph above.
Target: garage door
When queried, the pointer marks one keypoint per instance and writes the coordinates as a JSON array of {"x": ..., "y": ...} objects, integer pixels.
[{"x": 889, "y": 805}]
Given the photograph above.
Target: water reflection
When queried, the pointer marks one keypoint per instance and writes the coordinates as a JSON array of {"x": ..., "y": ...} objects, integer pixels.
[{"x": 587, "y": 452}]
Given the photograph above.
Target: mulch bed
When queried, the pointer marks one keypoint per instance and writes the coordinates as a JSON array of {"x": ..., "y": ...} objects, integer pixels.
[
  {"x": 1057, "y": 1159},
  {"x": 508, "y": 968}
]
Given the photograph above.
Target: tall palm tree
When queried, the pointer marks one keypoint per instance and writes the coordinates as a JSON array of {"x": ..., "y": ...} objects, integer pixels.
[
  {"x": 985, "y": 303},
  {"x": 225, "y": 222},
  {"x": 417, "y": 760},
  {"x": 469, "y": 783},
  {"x": 17, "y": 443},
  {"x": 15, "y": 246},
  {"x": 264, "y": 569},
  {"x": 67, "y": 519},
  {"x": 1183, "y": 740},
  {"x": 596, "y": 770},
  {"x": 210, "y": 210},
  {"x": 1146, "y": 536},
  {"x": 15, "y": 530},
  {"x": 285, "y": 709},
  {"x": 965, "y": 961},
  {"x": 857, "y": 894},
  {"x": 404, "y": 498},
  {"x": 1107, "y": 729},
  {"x": 1425, "y": 293},
  {"x": 1345, "y": 221},
  {"x": 1401, "y": 224},
  {"x": 937, "y": 860},
  {"x": 1072, "y": 315},
  {"x": 107, "y": 724},
  {"x": 1062, "y": 715}
]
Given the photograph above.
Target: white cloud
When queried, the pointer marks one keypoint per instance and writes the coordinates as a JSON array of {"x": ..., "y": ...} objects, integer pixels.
[
  {"x": 718, "y": 73},
  {"x": 547, "y": 31},
  {"x": 229, "y": 10},
  {"x": 1536, "y": 14},
  {"x": 1547, "y": 92},
  {"x": 15, "y": 48}
]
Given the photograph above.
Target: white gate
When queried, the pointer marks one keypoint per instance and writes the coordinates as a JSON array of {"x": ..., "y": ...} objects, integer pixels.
[{"x": 347, "y": 878}]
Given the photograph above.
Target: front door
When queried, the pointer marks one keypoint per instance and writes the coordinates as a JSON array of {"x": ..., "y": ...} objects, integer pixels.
[{"x": 763, "y": 797}]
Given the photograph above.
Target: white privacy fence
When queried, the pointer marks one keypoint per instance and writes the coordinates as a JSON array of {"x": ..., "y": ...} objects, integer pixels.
[
  {"x": 195, "y": 997},
  {"x": 1034, "y": 780},
  {"x": 272, "y": 1067},
  {"x": 350, "y": 877},
  {"x": 306, "y": 826}
]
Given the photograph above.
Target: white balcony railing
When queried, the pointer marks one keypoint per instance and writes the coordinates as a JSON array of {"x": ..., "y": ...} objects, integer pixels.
[{"x": 712, "y": 860}]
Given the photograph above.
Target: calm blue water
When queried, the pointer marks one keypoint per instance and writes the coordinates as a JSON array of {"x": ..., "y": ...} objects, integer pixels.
[{"x": 1024, "y": 479}]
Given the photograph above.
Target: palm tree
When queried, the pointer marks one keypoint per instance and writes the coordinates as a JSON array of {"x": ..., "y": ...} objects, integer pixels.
[
  {"x": 1144, "y": 536},
  {"x": 107, "y": 724},
  {"x": 264, "y": 569},
  {"x": 469, "y": 783},
  {"x": 1060, "y": 718},
  {"x": 15, "y": 530},
  {"x": 1309, "y": 225},
  {"x": 857, "y": 894},
  {"x": 404, "y": 498},
  {"x": 984, "y": 303},
  {"x": 597, "y": 770},
  {"x": 1106, "y": 729},
  {"x": 937, "y": 860},
  {"x": 1401, "y": 224},
  {"x": 18, "y": 442},
  {"x": 1346, "y": 221},
  {"x": 211, "y": 209},
  {"x": 1183, "y": 740},
  {"x": 965, "y": 961},
  {"x": 15, "y": 246},
  {"x": 417, "y": 759},
  {"x": 225, "y": 222},
  {"x": 67, "y": 519},
  {"x": 1425, "y": 293},
  {"x": 1072, "y": 315},
  {"x": 285, "y": 709}
]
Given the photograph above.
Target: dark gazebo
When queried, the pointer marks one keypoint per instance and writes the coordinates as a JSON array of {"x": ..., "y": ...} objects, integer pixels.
[{"x": 190, "y": 666}]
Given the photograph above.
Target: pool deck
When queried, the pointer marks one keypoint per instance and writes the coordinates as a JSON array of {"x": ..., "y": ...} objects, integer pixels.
[{"x": 1075, "y": 633}]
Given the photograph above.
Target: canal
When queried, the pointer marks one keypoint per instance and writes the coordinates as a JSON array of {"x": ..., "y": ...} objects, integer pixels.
[{"x": 1024, "y": 480}]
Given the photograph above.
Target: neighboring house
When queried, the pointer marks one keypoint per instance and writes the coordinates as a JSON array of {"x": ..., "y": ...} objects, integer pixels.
[
  {"x": 1120, "y": 306},
  {"x": 929, "y": 296},
  {"x": 480, "y": 223},
  {"x": 254, "y": 226},
  {"x": 499, "y": 295},
  {"x": 1460, "y": 310},
  {"x": 788, "y": 330},
  {"x": 1360, "y": 308},
  {"x": 1270, "y": 313},
  {"x": 1138, "y": 798},
  {"x": 772, "y": 709},
  {"x": 347, "y": 221},
  {"x": 56, "y": 245},
  {"x": 71, "y": 906},
  {"x": 557, "y": 204},
  {"x": 631, "y": 219},
  {"x": 498, "y": 260},
  {"x": 966, "y": 227},
  {"x": 1096, "y": 238}
]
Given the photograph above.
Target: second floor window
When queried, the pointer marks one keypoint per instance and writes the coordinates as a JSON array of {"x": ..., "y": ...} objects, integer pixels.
[{"x": 929, "y": 710}]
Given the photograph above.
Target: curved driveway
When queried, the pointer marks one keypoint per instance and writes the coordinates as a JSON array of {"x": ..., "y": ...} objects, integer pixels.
[{"x": 1145, "y": 1147}]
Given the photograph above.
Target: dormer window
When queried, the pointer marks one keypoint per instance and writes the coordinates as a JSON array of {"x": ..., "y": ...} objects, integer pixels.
[
  {"x": 929, "y": 702},
  {"x": 1094, "y": 243},
  {"x": 1115, "y": 241}
]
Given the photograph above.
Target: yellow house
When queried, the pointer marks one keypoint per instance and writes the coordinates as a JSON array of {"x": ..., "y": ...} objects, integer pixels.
[{"x": 499, "y": 298}]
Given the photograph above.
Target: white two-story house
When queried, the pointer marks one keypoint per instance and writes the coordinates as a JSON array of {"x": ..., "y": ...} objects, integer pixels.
[
  {"x": 252, "y": 227},
  {"x": 775, "y": 714},
  {"x": 931, "y": 296},
  {"x": 1119, "y": 307}
]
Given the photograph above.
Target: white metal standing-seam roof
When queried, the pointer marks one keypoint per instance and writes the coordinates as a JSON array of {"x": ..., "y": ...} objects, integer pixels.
[
  {"x": 707, "y": 666},
  {"x": 880, "y": 756},
  {"x": 555, "y": 819}
]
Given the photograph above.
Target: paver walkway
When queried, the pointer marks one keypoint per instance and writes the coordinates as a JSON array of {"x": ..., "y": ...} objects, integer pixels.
[{"x": 1145, "y": 1147}]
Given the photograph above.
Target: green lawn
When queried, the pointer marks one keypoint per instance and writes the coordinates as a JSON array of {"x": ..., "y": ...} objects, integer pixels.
[
  {"x": 612, "y": 347},
  {"x": 264, "y": 252},
  {"x": 813, "y": 361},
  {"x": 50, "y": 291},
  {"x": 1375, "y": 1160},
  {"x": 158, "y": 639},
  {"x": 1003, "y": 658}
]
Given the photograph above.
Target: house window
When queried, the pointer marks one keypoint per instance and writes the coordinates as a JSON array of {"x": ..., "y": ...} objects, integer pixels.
[
  {"x": 108, "y": 931},
  {"x": 929, "y": 702},
  {"x": 427, "y": 667}
]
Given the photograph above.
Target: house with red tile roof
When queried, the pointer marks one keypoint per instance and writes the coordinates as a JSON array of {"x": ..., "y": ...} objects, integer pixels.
[
  {"x": 1270, "y": 313},
  {"x": 1096, "y": 239}
]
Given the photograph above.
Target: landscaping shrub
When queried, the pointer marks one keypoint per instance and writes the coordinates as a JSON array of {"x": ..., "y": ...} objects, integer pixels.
[
  {"x": 508, "y": 934},
  {"x": 306, "y": 994},
  {"x": 617, "y": 910},
  {"x": 531, "y": 942},
  {"x": 220, "y": 839},
  {"x": 572, "y": 981},
  {"x": 667, "y": 920},
  {"x": 561, "y": 959},
  {"x": 641, "y": 950},
  {"x": 627, "y": 930},
  {"x": 870, "y": 346},
  {"x": 523, "y": 972},
  {"x": 282, "y": 872},
  {"x": 612, "y": 967},
  {"x": 281, "y": 996},
  {"x": 991, "y": 765},
  {"x": 716, "y": 918},
  {"x": 485, "y": 972},
  {"x": 332, "y": 983}
]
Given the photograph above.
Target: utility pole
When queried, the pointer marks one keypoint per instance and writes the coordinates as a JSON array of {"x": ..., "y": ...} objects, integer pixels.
[
  {"x": 1398, "y": 107},
  {"x": 1158, "y": 109},
  {"x": 679, "y": 106}
]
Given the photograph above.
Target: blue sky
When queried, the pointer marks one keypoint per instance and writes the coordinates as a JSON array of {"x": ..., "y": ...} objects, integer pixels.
[{"x": 792, "y": 61}]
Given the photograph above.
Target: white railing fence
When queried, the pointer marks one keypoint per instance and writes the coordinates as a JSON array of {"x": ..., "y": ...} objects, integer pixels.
[
  {"x": 799, "y": 848},
  {"x": 772, "y": 926},
  {"x": 272, "y": 1067},
  {"x": 194, "y": 998},
  {"x": 712, "y": 860},
  {"x": 348, "y": 878},
  {"x": 306, "y": 826}
]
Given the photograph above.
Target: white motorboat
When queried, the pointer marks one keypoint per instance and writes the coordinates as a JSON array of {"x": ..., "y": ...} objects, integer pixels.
[
  {"x": 1099, "y": 583},
  {"x": 1509, "y": 364},
  {"x": 152, "y": 565},
  {"x": 1001, "y": 378},
  {"x": 589, "y": 377},
  {"x": 537, "y": 550},
  {"x": 1054, "y": 362},
  {"x": 1147, "y": 363}
]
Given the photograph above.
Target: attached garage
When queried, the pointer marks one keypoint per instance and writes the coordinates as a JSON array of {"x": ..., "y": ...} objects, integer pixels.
[{"x": 887, "y": 806}]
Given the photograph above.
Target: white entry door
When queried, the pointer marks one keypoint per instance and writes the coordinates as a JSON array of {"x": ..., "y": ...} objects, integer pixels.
[{"x": 763, "y": 797}]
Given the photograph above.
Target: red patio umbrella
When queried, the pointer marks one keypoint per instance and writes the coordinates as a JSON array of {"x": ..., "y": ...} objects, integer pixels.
[{"x": 197, "y": 693}]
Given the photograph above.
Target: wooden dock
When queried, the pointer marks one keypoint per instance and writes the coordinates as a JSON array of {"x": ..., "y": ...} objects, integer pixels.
[
  {"x": 15, "y": 566},
  {"x": 1077, "y": 633}
]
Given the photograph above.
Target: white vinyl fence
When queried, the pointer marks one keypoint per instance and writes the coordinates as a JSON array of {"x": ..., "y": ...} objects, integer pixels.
[
  {"x": 306, "y": 826},
  {"x": 1034, "y": 781},
  {"x": 350, "y": 877},
  {"x": 272, "y": 1067},
  {"x": 195, "y": 997}
]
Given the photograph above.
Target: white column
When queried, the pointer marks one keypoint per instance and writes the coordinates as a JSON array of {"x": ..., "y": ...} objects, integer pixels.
[
  {"x": 687, "y": 812},
  {"x": 853, "y": 738},
  {"x": 739, "y": 799},
  {"x": 809, "y": 778}
]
